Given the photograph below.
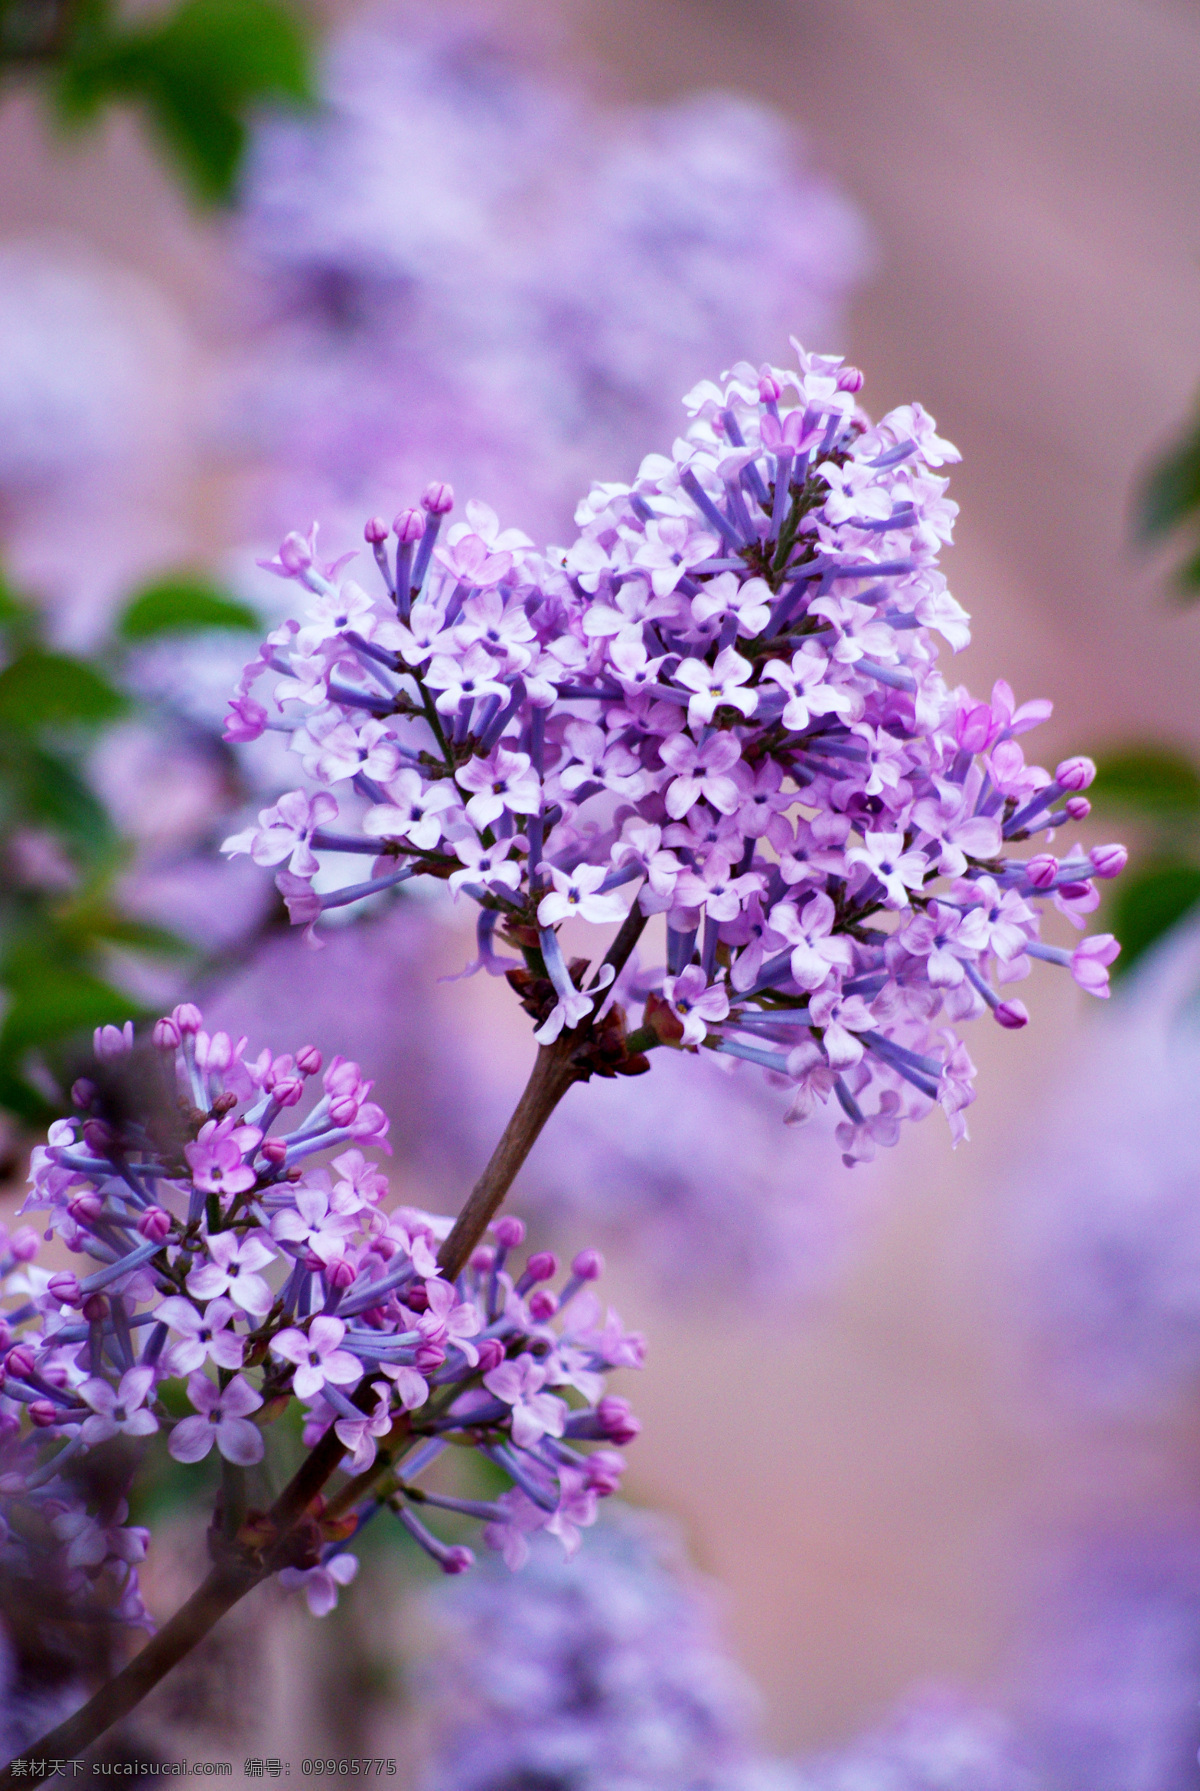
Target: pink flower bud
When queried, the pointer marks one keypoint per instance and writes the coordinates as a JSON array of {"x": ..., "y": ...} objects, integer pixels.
[
  {"x": 343, "y": 1111},
  {"x": 1012, "y": 1015},
  {"x": 98, "y": 1136},
  {"x": 295, "y": 554},
  {"x": 274, "y": 1150},
  {"x": 340, "y": 1273},
  {"x": 375, "y": 531},
  {"x": 438, "y": 498},
  {"x": 21, "y": 1361},
  {"x": 309, "y": 1061},
  {"x": 482, "y": 1259},
  {"x": 588, "y": 1265},
  {"x": 1109, "y": 861},
  {"x": 510, "y": 1232},
  {"x": 617, "y": 1419},
  {"x": 768, "y": 388},
  {"x": 165, "y": 1035},
  {"x": 457, "y": 1560},
  {"x": 1078, "y": 807},
  {"x": 1075, "y": 774},
  {"x": 409, "y": 527},
  {"x": 111, "y": 1042},
  {"x": 155, "y": 1224},
  {"x": 95, "y": 1309},
  {"x": 43, "y": 1413},
  {"x": 428, "y": 1356},
  {"x": 604, "y": 1471},
  {"x": 491, "y": 1354},
  {"x": 850, "y": 379},
  {"x": 541, "y": 1265},
  {"x": 86, "y": 1206},
  {"x": 187, "y": 1017},
  {"x": 313, "y": 1263},
  {"x": 288, "y": 1090},
  {"x": 83, "y": 1093},
  {"x": 416, "y": 1298},
  {"x": 65, "y": 1287},
  {"x": 542, "y": 1305},
  {"x": 1041, "y": 869},
  {"x": 24, "y": 1243}
]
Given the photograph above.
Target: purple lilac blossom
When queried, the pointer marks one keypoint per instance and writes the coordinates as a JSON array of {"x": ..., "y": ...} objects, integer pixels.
[
  {"x": 580, "y": 1676},
  {"x": 935, "y": 1742},
  {"x": 1107, "y": 1247},
  {"x": 1110, "y": 1695},
  {"x": 722, "y": 700},
  {"x": 462, "y": 260},
  {"x": 216, "y": 1253}
]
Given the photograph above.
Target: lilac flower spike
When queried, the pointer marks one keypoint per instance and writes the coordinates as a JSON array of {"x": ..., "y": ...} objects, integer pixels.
[
  {"x": 214, "y": 1251},
  {"x": 720, "y": 704}
]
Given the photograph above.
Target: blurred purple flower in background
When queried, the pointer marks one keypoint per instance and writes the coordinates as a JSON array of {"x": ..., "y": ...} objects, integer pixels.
[
  {"x": 935, "y": 1742},
  {"x": 1108, "y": 1208},
  {"x": 465, "y": 265},
  {"x": 606, "y": 1671}
]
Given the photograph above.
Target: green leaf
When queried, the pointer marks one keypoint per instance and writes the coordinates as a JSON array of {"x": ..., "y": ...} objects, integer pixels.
[
  {"x": 182, "y": 605},
  {"x": 1148, "y": 903},
  {"x": 1171, "y": 492},
  {"x": 49, "y": 790},
  {"x": 42, "y": 689},
  {"x": 57, "y": 1004},
  {"x": 200, "y": 74},
  {"x": 1155, "y": 779}
]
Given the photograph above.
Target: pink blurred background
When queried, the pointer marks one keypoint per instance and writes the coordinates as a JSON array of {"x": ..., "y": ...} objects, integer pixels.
[{"x": 889, "y": 1471}]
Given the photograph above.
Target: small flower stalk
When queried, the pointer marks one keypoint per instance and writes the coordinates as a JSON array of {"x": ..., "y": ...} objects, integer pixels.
[{"x": 720, "y": 709}]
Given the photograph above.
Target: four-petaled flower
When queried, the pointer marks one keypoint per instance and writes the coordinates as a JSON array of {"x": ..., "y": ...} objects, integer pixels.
[
  {"x": 535, "y": 1414},
  {"x": 318, "y": 1356},
  {"x": 120, "y": 1410},
  {"x": 222, "y": 1417}
]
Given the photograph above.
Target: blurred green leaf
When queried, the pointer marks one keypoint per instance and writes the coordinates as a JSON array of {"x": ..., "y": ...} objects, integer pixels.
[
  {"x": 200, "y": 73},
  {"x": 42, "y": 689},
  {"x": 1148, "y": 903},
  {"x": 48, "y": 790},
  {"x": 1171, "y": 492},
  {"x": 182, "y": 605},
  {"x": 1155, "y": 779},
  {"x": 57, "y": 1002}
]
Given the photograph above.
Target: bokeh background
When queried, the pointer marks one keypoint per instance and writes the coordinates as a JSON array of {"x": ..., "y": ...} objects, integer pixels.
[{"x": 930, "y": 1423}]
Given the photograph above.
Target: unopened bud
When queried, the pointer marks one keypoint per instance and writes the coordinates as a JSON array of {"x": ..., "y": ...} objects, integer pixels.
[
  {"x": 343, "y": 1111},
  {"x": 542, "y": 1305},
  {"x": 83, "y": 1093},
  {"x": 309, "y": 1060},
  {"x": 340, "y": 1273},
  {"x": 850, "y": 379},
  {"x": 43, "y": 1413},
  {"x": 24, "y": 1243},
  {"x": 1012, "y": 1015},
  {"x": 1041, "y": 869},
  {"x": 482, "y": 1259},
  {"x": 588, "y": 1265},
  {"x": 95, "y": 1309},
  {"x": 1109, "y": 861},
  {"x": 187, "y": 1017},
  {"x": 491, "y": 1354},
  {"x": 541, "y": 1265},
  {"x": 604, "y": 1471},
  {"x": 416, "y": 1298},
  {"x": 165, "y": 1035},
  {"x": 428, "y": 1356},
  {"x": 1075, "y": 774},
  {"x": 1078, "y": 807},
  {"x": 21, "y": 1361},
  {"x": 438, "y": 498},
  {"x": 617, "y": 1419},
  {"x": 155, "y": 1224},
  {"x": 274, "y": 1150},
  {"x": 457, "y": 1559},
  {"x": 768, "y": 388},
  {"x": 86, "y": 1206},
  {"x": 64, "y": 1287},
  {"x": 409, "y": 527},
  {"x": 375, "y": 531}
]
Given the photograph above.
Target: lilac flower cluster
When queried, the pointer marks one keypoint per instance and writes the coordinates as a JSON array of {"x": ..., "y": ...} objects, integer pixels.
[
  {"x": 224, "y": 1261},
  {"x": 607, "y": 1671},
  {"x": 725, "y": 692},
  {"x": 937, "y": 1742},
  {"x": 490, "y": 266}
]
